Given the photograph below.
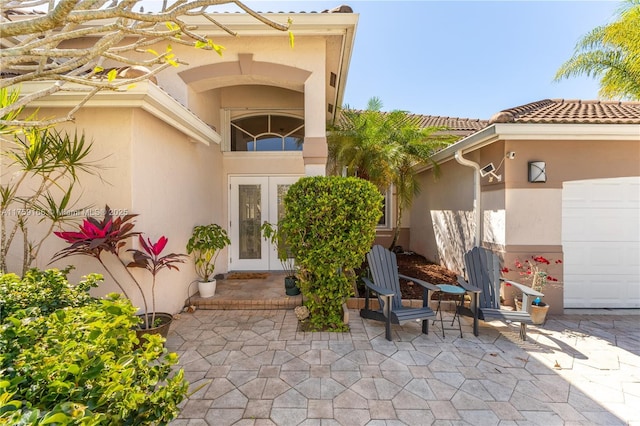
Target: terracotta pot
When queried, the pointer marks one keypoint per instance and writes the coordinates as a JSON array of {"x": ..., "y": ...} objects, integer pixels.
[
  {"x": 539, "y": 313},
  {"x": 291, "y": 286},
  {"x": 163, "y": 322},
  {"x": 207, "y": 288}
]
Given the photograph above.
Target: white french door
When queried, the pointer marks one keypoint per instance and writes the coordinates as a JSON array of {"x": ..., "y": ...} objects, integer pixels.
[{"x": 252, "y": 201}]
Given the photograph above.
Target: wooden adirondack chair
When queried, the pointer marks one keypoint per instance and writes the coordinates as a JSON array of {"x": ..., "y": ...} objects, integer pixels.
[
  {"x": 386, "y": 283},
  {"x": 483, "y": 271}
]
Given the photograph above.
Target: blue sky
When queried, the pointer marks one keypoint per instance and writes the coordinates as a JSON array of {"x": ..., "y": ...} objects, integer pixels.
[
  {"x": 468, "y": 59},
  {"x": 462, "y": 58}
]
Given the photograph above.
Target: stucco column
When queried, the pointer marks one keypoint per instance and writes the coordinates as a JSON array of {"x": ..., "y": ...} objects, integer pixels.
[{"x": 315, "y": 149}]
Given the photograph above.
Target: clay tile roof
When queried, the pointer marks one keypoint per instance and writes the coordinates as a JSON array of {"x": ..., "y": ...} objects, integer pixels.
[
  {"x": 564, "y": 111},
  {"x": 452, "y": 123}
]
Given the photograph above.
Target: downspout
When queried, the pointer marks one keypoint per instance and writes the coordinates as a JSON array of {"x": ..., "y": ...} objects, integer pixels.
[{"x": 476, "y": 192}]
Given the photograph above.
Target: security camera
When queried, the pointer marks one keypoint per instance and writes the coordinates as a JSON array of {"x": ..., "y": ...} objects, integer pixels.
[
  {"x": 511, "y": 155},
  {"x": 489, "y": 168}
]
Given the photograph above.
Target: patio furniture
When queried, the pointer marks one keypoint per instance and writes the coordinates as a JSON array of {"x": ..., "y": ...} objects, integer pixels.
[
  {"x": 483, "y": 270},
  {"x": 459, "y": 301},
  {"x": 386, "y": 283}
]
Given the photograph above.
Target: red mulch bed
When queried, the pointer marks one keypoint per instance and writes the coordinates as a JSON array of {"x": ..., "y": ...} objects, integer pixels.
[{"x": 416, "y": 266}]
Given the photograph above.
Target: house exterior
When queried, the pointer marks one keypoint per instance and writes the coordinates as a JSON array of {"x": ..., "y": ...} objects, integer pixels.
[
  {"x": 557, "y": 178},
  {"x": 456, "y": 126},
  {"x": 220, "y": 139},
  {"x": 215, "y": 141}
]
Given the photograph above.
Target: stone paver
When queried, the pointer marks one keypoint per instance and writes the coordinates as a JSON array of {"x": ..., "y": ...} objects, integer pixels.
[{"x": 255, "y": 368}]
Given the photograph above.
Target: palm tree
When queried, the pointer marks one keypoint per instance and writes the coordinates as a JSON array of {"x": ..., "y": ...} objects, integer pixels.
[
  {"x": 611, "y": 52},
  {"x": 384, "y": 148}
]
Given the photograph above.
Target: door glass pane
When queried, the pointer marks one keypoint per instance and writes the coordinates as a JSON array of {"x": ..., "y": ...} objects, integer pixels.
[{"x": 250, "y": 218}]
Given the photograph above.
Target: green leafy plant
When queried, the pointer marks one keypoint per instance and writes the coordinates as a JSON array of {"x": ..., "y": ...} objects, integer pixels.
[
  {"x": 44, "y": 168},
  {"x": 384, "y": 148},
  {"x": 205, "y": 243},
  {"x": 330, "y": 223},
  {"x": 74, "y": 359},
  {"x": 43, "y": 291},
  {"x": 278, "y": 239}
]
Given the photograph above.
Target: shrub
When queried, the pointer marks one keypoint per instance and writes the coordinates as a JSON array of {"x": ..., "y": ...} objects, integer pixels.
[
  {"x": 330, "y": 223},
  {"x": 80, "y": 364},
  {"x": 43, "y": 291}
]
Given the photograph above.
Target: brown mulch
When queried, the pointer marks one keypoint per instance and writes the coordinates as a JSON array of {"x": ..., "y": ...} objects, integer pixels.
[{"x": 417, "y": 266}]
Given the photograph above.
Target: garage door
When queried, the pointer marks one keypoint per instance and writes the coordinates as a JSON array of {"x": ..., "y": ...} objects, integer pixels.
[{"x": 601, "y": 243}]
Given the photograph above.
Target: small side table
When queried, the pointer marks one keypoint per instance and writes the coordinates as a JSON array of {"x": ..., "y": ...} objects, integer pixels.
[{"x": 456, "y": 291}]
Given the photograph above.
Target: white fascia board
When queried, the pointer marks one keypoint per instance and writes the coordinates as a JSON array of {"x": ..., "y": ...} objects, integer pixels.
[
  {"x": 301, "y": 23},
  {"x": 144, "y": 95},
  {"x": 348, "y": 41},
  {"x": 543, "y": 131}
]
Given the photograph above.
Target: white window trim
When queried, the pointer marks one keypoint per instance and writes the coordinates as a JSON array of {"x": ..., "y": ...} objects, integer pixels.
[
  {"x": 388, "y": 211},
  {"x": 226, "y": 118}
]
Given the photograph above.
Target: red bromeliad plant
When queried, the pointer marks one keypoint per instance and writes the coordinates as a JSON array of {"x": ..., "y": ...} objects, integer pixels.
[
  {"x": 151, "y": 260},
  {"x": 534, "y": 270},
  {"x": 109, "y": 235}
]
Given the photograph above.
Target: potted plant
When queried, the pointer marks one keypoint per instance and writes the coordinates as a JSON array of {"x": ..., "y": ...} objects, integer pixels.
[
  {"x": 97, "y": 238},
  {"x": 277, "y": 238},
  {"x": 534, "y": 270},
  {"x": 205, "y": 243}
]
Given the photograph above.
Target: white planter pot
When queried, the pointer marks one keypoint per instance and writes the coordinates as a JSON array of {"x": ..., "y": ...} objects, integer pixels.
[{"x": 207, "y": 288}]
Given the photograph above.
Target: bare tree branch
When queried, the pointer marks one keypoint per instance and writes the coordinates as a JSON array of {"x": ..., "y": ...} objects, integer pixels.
[{"x": 36, "y": 47}]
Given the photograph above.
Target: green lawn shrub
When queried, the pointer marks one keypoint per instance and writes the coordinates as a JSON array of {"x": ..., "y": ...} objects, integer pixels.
[
  {"x": 75, "y": 361},
  {"x": 330, "y": 223},
  {"x": 43, "y": 291}
]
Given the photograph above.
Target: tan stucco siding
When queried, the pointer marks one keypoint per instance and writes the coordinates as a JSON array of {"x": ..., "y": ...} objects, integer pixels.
[
  {"x": 519, "y": 219},
  {"x": 150, "y": 169},
  {"x": 175, "y": 185},
  {"x": 111, "y": 185},
  {"x": 442, "y": 225},
  {"x": 572, "y": 160},
  {"x": 263, "y": 163},
  {"x": 256, "y": 97},
  {"x": 272, "y": 62}
]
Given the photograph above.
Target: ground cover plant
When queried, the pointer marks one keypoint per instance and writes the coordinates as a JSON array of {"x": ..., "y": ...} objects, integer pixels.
[{"x": 73, "y": 359}]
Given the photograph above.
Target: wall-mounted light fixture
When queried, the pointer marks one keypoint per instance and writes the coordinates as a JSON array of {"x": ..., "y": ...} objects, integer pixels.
[{"x": 537, "y": 171}]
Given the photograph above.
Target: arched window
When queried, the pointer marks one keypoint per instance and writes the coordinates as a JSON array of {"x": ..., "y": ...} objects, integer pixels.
[{"x": 267, "y": 133}]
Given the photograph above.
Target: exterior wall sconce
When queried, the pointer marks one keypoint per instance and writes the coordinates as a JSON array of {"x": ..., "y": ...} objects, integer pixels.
[{"x": 537, "y": 171}]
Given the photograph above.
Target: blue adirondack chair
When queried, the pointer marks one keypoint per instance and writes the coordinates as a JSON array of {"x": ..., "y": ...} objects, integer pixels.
[
  {"x": 483, "y": 270},
  {"x": 386, "y": 283}
]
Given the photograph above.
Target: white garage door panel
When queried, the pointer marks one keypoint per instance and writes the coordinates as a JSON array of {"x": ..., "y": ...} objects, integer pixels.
[
  {"x": 600, "y": 224},
  {"x": 604, "y": 293},
  {"x": 601, "y": 243},
  {"x": 602, "y": 258}
]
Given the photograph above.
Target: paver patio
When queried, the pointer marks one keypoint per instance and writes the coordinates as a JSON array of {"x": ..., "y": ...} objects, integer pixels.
[{"x": 252, "y": 367}]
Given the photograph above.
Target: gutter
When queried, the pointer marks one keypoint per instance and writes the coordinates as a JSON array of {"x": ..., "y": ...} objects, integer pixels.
[{"x": 476, "y": 192}]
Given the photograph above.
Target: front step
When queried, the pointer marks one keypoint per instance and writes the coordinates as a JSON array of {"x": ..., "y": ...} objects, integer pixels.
[{"x": 262, "y": 293}]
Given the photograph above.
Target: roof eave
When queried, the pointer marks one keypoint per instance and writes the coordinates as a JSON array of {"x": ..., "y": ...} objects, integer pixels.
[
  {"x": 144, "y": 95},
  {"x": 348, "y": 40},
  {"x": 526, "y": 131}
]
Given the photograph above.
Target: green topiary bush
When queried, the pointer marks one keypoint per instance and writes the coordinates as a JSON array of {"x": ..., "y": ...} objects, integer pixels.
[
  {"x": 79, "y": 363},
  {"x": 330, "y": 223}
]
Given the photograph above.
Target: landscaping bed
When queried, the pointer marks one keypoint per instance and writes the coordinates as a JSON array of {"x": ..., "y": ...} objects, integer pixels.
[{"x": 417, "y": 266}]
